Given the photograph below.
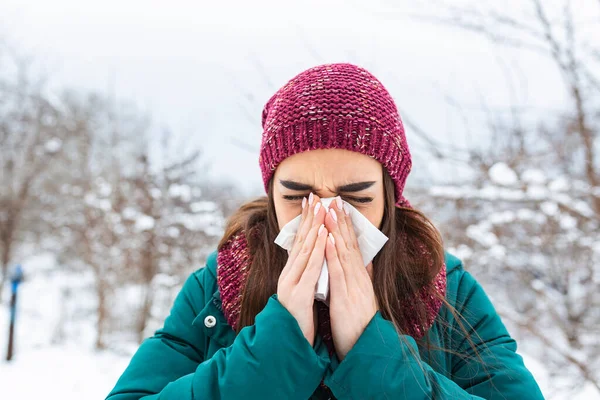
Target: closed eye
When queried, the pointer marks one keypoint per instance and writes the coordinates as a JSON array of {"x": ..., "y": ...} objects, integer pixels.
[
  {"x": 293, "y": 198},
  {"x": 361, "y": 200},
  {"x": 358, "y": 199}
]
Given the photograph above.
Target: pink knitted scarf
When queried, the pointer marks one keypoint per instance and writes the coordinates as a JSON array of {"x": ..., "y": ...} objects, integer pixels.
[{"x": 233, "y": 265}]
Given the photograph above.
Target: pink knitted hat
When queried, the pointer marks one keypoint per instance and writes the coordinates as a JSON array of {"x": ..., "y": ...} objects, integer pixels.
[{"x": 338, "y": 106}]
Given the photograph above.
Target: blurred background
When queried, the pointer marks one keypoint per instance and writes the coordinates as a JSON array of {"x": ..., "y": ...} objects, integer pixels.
[{"x": 129, "y": 131}]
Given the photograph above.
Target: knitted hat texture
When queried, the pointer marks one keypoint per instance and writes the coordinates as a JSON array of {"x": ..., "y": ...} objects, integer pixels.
[{"x": 339, "y": 106}]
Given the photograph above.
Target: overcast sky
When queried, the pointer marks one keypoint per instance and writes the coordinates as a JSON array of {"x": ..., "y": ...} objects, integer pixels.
[{"x": 205, "y": 69}]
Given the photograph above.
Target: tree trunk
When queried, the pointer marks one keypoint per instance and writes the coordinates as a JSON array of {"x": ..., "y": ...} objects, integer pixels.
[
  {"x": 7, "y": 236},
  {"x": 102, "y": 313},
  {"x": 5, "y": 259},
  {"x": 148, "y": 270},
  {"x": 144, "y": 313},
  {"x": 3, "y": 279}
]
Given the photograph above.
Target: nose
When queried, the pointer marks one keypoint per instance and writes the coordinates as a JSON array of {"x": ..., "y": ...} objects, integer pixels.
[{"x": 325, "y": 192}]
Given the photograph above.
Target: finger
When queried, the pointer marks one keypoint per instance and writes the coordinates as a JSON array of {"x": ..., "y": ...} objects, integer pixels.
[
  {"x": 311, "y": 274},
  {"x": 292, "y": 253},
  {"x": 349, "y": 257},
  {"x": 312, "y": 212},
  {"x": 337, "y": 279},
  {"x": 304, "y": 212},
  {"x": 354, "y": 249},
  {"x": 319, "y": 212},
  {"x": 333, "y": 226},
  {"x": 337, "y": 213},
  {"x": 300, "y": 262},
  {"x": 352, "y": 239},
  {"x": 306, "y": 225},
  {"x": 308, "y": 219},
  {"x": 303, "y": 215},
  {"x": 333, "y": 222},
  {"x": 300, "y": 233}
]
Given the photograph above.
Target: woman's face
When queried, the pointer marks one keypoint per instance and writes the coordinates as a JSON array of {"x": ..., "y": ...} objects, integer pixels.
[{"x": 357, "y": 178}]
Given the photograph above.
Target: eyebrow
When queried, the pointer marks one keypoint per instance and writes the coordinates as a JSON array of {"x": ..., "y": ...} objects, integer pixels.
[{"x": 350, "y": 188}]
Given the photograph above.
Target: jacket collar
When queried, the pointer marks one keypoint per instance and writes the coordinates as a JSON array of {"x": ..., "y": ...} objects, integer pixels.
[{"x": 220, "y": 331}]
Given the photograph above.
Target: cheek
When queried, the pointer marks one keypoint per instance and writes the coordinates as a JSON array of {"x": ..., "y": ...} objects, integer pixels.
[
  {"x": 286, "y": 212},
  {"x": 375, "y": 213}
]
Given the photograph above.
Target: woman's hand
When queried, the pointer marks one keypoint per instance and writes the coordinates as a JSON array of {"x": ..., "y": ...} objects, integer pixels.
[
  {"x": 296, "y": 285},
  {"x": 352, "y": 301}
]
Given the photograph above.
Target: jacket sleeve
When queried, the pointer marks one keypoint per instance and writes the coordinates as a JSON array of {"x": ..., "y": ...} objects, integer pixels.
[
  {"x": 269, "y": 360},
  {"x": 384, "y": 365}
]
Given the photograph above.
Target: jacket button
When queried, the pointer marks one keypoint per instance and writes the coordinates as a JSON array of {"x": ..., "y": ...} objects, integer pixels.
[{"x": 210, "y": 321}]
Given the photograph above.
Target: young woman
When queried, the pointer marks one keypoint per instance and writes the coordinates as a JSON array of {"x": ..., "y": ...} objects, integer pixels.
[{"x": 412, "y": 325}]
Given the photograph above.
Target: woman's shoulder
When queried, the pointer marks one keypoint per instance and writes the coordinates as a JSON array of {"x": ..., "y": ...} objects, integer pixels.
[
  {"x": 210, "y": 269},
  {"x": 453, "y": 263},
  {"x": 204, "y": 279},
  {"x": 457, "y": 278},
  {"x": 462, "y": 289}
]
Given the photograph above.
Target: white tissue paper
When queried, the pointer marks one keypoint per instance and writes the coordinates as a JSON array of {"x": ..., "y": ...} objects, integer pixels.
[{"x": 370, "y": 241}]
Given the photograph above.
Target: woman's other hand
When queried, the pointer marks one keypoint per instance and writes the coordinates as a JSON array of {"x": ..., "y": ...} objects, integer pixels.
[{"x": 352, "y": 301}]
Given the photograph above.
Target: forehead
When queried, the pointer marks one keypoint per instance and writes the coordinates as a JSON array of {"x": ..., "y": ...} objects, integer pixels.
[{"x": 329, "y": 166}]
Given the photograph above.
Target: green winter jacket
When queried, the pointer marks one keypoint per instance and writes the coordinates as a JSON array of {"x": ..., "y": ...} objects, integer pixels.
[{"x": 196, "y": 355}]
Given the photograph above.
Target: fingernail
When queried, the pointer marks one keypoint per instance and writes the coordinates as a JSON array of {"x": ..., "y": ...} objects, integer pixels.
[
  {"x": 317, "y": 207},
  {"x": 303, "y": 202},
  {"x": 331, "y": 239},
  {"x": 346, "y": 210},
  {"x": 333, "y": 214},
  {"x": 310, "y": 199},
  {"x": 338, "y": 201},
  {"x": 321, "y": 229}
]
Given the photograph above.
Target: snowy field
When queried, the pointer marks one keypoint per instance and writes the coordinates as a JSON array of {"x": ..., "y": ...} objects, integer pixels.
[{"x": 54, "y": 357}]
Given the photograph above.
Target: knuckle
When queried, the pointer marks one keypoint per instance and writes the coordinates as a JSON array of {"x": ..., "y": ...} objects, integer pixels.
[
  {"x": 305, "y": 250},
  {"x": 343, "y": 256},
  {"x": 311, "y": 265}
]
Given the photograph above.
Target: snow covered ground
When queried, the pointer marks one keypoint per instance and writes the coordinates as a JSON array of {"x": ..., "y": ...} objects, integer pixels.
[
  {"x": 60, "y": 372},
  {"x": 54, "y": 358}
]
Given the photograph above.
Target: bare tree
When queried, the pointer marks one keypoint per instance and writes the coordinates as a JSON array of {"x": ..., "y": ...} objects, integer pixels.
[
  {"x": 533, "y": 240},
  {"x": 79, "y": 178},
  {"x": 183, "y": 224},
  {"x": 527, "y": 221},
  {"x": 554, "y": 31},
  {"x": 134, "y": 222},
  {"x": 32, "y": 136},
  {"x": 89, "y": 194}
]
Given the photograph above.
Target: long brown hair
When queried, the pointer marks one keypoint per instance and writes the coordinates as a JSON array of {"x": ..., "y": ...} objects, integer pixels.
[{"x": 399, "y": 270}]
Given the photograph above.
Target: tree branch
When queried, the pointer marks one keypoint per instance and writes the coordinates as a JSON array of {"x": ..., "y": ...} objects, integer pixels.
[{"x": 551, "y": 345}]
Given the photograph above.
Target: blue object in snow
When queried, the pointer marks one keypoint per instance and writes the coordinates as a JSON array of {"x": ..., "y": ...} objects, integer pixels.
[{"x": 16, "y": 277}]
